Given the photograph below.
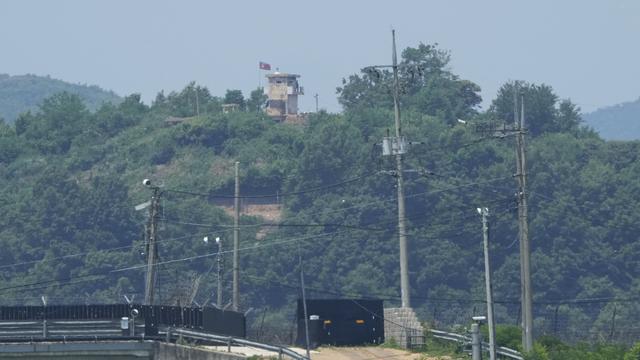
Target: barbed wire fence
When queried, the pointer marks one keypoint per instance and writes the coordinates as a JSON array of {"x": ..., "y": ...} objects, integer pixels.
[{"x": 615, "y": 321}]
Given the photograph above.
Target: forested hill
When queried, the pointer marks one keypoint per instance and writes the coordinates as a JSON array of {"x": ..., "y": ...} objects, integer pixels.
[
  {"x": 618, "y": 122},
  {"x": 70, "y": 178},
  {"x": 21, "y": 93}
]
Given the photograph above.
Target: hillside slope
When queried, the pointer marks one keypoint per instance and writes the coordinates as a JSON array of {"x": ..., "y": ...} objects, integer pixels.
[
  {"x": 70, "y": 179},
  {"x": 618, "y": 122},
  {"x": 21, "y": 93}
]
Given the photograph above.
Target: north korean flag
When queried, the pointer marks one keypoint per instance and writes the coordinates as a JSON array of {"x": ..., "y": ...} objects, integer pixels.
[{"x": 265, "y": 66}]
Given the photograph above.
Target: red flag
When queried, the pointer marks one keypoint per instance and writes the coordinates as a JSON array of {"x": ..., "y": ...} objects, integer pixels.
[{"x": 264, "y": 66}]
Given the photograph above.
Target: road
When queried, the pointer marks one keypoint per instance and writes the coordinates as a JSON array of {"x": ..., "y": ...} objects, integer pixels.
[
  {"x": 366, "y": 353},
  {"x": 341, "y": 353}
]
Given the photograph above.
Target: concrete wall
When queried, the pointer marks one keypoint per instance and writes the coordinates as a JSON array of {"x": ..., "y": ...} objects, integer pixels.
[
  {"x": 163, "y": 351},
  {"x": 79, "y": 350},
  {"x": 113, "y": 351}
]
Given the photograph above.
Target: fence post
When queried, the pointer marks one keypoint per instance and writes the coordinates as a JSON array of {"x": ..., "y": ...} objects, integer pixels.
[
  {"x": 45, "y": 330},
  {"x": 229, "y": 344},
  {"x": 476, "y": 344}
]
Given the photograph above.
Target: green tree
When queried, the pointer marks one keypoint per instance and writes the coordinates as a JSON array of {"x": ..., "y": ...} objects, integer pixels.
[
  {"x": 188, "y": 101},
  {"x": 256, "y": 100},
  {"x": 544, "y": 112},
  {"x": 538, "y": 352},
  {"x": 9, "y": 143},
  {"x": 426, "y": 87},
  {"x": 235, "y": 97},
  {"x": 59, "y": 120},
  {"x": 633, "y": 353}
]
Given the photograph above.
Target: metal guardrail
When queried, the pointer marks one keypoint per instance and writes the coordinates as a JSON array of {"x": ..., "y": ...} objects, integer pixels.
[
  {"x": 462, "y": 339},
  {"x": 100, "y": 330},
  {"x": 229, "y": 341}
]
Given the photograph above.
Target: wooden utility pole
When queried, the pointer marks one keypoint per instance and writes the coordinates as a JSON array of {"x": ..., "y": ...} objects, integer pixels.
[
  {"x": 523, "y": 227},
  {"x": 152, "y": 250},
  {"x": 236, "y": 242},
  {"x": 488, "y": 284}
]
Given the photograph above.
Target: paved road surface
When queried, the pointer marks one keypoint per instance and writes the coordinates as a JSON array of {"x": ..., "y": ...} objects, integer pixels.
[
  {"x": 340, "y": 353},
  {"x": 364, "y": 353}
]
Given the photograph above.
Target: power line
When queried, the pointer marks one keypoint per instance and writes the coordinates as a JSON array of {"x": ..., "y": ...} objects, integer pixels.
[
  {"x": 190, "y": 258},
  {"x": 88, "y": 277},
  {"x": 414, "y": 195},
  {"x": 207, "y": 255},
  {"x": 319, "y": 188},
  {"x": 93, "y": 252},
  {"x": 256, "y": 225},
  {"x": 308, "y": 225}
]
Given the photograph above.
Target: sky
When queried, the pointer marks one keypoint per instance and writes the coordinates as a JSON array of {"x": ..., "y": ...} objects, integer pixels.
[{"x": 586, "y": 50}]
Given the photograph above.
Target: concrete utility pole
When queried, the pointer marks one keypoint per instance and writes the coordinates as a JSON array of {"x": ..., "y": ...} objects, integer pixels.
[
  {"x": 523, "y": 226},
  {"x": 236, "y": 242},
  {"x": 304, "y": 303},
  {"x": 316, "y": 96},
  {"x": 476, "y": 342},
  {"x": 404, "y": 259},
  {"x": 152, "y": 251},
  {"x": 219, "y": 260},
  {"x": 397, "y": 146},
  {"x": 518, "y": 130},
  {"x": 195, "y": 88},
  {"x": 488, "y": 284}
]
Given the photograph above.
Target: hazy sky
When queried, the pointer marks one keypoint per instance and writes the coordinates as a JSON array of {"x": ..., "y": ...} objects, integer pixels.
[{"x": 586, "y": 50}]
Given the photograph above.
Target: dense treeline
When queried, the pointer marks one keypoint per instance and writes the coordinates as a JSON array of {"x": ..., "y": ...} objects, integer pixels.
[{"x": 70, "y": 179}]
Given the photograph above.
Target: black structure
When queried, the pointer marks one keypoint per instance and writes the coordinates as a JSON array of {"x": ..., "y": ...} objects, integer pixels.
[
  {"x": 341, "y": 322},
  {"x": 209, "y": 319}
]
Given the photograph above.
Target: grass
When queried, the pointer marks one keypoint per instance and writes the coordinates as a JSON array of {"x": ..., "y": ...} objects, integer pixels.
[{"x": 433, "y": 348}]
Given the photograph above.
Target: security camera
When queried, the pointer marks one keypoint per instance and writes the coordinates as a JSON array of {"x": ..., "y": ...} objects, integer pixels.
[
  {"x": 135, "y": 312},
  {"x": 479, "y": 319},
  {"x": 146, "y": 182}
]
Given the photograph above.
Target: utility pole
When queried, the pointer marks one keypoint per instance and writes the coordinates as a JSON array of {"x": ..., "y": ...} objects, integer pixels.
[
  {"x": 219, "y": 260},
  {"x": 518, "y": 130},
  {"x": 316, "y": 96},
  {"x": 488, "y": 284},
  {"x": 236, "y": 241},
  {"x": 152, "y": 250},
  {"x": 397, "y": 146},
  {"x": 304, "y": 302},
  {"x": 404, "y": 261},
  {"x": 197, "y": 101},
  {"x": 476, "y": 342},
  {"x": 523, "y": 226}
]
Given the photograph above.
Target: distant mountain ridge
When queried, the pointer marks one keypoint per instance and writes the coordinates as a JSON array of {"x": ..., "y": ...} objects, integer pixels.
[
  {"x": 617, "y": 122},
  {"x": 21, "y": 93}
]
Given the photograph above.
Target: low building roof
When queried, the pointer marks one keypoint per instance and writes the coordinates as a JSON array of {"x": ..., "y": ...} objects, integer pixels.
[{"x": 280, "y": 74}]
